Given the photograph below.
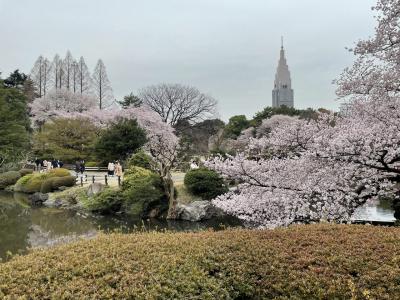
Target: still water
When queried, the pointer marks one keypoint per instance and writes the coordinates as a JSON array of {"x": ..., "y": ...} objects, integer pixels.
[{"x": 23, "y": 227}]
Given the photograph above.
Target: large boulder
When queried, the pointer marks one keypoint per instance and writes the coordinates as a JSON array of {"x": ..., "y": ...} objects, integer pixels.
[
  {"x": 37, "y": 198},
  {"x": 95, "y": 188},
  {"x": 198, "y": 211}
]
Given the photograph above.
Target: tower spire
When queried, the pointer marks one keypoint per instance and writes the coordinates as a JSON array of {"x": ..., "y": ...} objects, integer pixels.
[{"x": 282, "y": 94}]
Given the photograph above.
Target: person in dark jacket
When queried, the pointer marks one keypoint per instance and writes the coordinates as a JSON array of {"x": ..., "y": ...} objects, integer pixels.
[
  {"x": 77, "y": 167},
  {"x": 82, "y": 164}
]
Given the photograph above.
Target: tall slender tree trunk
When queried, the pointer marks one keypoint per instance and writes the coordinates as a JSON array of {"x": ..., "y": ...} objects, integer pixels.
[{"x": 170, "y": 193}]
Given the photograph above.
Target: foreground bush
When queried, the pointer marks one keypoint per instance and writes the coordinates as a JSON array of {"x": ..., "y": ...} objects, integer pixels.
[
  {"x": 302, "y": 262},
  {"x": 205, "y": 183},
  {"x": 8, "y": 178}
]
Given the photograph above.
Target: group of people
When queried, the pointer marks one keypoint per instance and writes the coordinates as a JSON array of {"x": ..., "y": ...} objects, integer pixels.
[
  {"x": 47, "y": 165},
  {"x": 114, "y": 168}
]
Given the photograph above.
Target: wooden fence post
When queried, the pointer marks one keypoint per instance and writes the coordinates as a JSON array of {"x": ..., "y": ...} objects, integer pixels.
[
  {"x": 81, "y": 181},
  {"x": 93, "y": 178},
  {"x": 119, "y": 180},
  {"x": 105, "y": 179}
]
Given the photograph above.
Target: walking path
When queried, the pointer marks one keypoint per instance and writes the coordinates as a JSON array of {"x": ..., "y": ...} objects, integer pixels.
[{"x": 99, "y": 176}]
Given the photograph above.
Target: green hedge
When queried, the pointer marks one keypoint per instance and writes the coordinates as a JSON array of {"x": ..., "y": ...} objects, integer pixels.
[
  {"x": 205, "y": 183},
  {"x": 8, "y": 178},
  {"x": 301, "y": 262}
]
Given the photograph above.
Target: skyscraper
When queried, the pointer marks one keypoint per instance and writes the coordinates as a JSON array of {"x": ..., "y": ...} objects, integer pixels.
[{"x": 282, "y": 94}]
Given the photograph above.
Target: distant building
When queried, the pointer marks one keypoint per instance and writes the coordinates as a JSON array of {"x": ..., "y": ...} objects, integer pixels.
[{"x": 282, "y": 94}]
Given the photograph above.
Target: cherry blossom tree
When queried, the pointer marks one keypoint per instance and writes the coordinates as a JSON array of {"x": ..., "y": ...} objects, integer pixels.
[
  {"x": 58, "y": 103},
  {"x": 324, "y": 168},
  {"x": 162, "y": 145}
]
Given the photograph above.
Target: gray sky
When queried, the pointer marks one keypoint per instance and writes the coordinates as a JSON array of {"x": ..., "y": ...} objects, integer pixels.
[{"x": 226, "y": 48}]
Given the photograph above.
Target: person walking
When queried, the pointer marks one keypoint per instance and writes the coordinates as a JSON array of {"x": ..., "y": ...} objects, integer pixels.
[
  {"x": 83, "y": 168},
  {"x": 111, "y": 168},
  {"x": 38, "y": 164},
  {"x": 77, "y": 167},
  {"x": 118, "y": 169},
  {"x": 49, "y": 165}
]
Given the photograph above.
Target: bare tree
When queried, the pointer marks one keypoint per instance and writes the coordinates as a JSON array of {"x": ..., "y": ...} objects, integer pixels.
[
  {"x": 40, "y": 75},
  {"x": 57, "y": 70},
  {"x": 177, "y": 103},
  {"x": 68, "y": 66},
  {"x": 75, "y": 80},
  {"x": 84, "y": 80},
  {"x": 102, "y": 86}
]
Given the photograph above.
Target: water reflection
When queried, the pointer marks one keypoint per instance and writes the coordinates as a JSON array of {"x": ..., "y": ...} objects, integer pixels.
[
  {"x": 376, "y": 211},
  {"x": 23, "y": 227}
]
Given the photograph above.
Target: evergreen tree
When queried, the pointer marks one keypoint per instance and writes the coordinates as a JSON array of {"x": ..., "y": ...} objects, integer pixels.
[
  {"x": 14, "y": 125},
  {"x": 120, "y": 140},
  {"x": 130, "y": 100}
]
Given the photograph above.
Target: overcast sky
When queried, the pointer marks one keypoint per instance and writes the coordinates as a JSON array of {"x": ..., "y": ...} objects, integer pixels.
[{"x": 226, "y": 48}]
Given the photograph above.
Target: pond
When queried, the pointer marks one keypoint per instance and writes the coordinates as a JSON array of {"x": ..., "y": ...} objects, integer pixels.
[{"x": 23, "y": 227}]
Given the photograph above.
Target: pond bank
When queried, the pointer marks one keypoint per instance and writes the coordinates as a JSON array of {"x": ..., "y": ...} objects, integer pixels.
[{"x": 23, "y": 226}]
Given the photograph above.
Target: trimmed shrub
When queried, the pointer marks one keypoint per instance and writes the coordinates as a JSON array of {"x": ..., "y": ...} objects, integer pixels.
[
  {"x": 9, "y": 178},
  {"x": 205, "y": 183},
  {"x": 143, "y": 193},
  {"x": 106, "y": 202},
  {"x": 32, "y": 183},
  {"x": 60, "y": 172},
  {"x": 47, "y": 186},
  {"x": 300, "y": 262},
  {"x": 140, "y": 159},
  {"x": 67, "y": 181},
  {"x": 135, "y": 172},
  {"x": 24, "y": 172},
  {"x": 54, "y": 183},
  {"x": 35, "y": 183}
]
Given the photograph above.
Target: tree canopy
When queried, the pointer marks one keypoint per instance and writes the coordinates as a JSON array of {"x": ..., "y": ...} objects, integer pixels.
[
  {"x": 120, "y": 140},
  {"x": 66, "y": 139}
]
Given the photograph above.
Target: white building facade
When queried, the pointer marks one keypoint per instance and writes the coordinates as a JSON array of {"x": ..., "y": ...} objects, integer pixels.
[{"x": 282, "y": 94}]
